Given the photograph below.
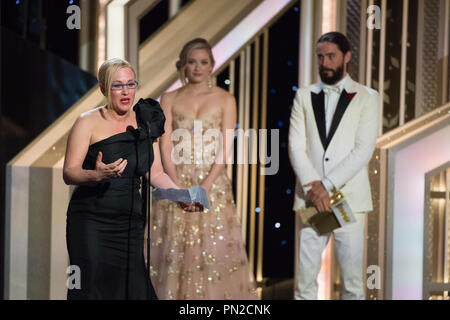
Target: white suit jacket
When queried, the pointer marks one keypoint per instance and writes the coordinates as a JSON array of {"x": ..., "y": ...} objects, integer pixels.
[{"x": 342, "y": 157}]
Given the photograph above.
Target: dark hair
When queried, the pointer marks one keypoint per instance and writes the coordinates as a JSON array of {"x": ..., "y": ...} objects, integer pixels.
[{"x": 337, "y": 38}]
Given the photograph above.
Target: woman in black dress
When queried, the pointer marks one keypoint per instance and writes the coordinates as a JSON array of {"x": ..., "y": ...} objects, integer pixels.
[{"x": 107, "y": 154}]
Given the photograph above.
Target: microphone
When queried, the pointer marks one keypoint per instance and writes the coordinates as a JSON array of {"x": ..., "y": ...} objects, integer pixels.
[
  {"x": 148, "y": 198},
  {"x": 149, "y": 131}
]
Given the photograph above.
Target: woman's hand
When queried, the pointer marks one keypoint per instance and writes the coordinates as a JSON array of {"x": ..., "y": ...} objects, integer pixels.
[
  {"x": 191, "y": 207},
  {"x": 205, "y": 185},
  {"x": 109, "y": 171}
]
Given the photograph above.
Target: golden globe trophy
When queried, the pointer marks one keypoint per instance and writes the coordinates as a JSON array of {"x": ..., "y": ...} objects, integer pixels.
[{"x": 327, "y": 221}]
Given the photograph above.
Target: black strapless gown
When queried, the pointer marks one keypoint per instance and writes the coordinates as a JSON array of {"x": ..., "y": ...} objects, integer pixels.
[{"x": 106, "y": 221}]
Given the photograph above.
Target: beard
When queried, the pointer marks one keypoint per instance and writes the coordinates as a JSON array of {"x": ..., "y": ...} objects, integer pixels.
[{"x": 335, "y": 76}]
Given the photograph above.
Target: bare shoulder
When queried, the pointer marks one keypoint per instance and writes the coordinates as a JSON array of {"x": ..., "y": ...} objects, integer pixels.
[
  {"x": 224, "y": 96},
  {"x": 170, "y": 95},
  {"x": 167, "y": 99},
  {"x": 227, "y": 101},
  {"x": 89, "y": 119},
  {"x": 221, "y": 92}
]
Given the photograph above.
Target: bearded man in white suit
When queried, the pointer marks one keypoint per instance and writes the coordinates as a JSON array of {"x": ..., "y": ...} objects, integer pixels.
[{"x": 332, "y": 136}]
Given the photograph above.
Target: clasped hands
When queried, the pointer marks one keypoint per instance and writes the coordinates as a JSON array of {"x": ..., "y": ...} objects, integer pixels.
[
  {"x": 191, "y": 207},
  {"x": 318, "y": 195},
  {"x": 194, "y": 206}
]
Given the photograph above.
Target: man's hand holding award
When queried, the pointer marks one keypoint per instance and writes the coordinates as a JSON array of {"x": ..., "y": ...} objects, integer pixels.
[{"x": 323, "y": 212}]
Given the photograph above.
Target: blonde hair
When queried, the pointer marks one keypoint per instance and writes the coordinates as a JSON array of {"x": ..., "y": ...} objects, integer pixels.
[
  {"x": 107, "y": 72},
  {"x": 197, "y": 43}
]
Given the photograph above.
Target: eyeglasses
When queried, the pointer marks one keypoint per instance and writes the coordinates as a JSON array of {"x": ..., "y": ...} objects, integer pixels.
[{"x": 121, "y": 86}]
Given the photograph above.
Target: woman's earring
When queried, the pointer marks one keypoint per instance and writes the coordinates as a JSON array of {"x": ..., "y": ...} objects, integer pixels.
[{"x": 210, "y": 82}]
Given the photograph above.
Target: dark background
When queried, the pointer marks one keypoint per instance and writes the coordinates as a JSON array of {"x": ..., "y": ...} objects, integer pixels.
[{"x": 283, "y": 80}]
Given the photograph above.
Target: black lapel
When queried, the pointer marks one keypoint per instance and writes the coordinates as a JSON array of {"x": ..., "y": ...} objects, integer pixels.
[
  {"x": 318, "y": 102},
  {"x": 342, "y": 105}
]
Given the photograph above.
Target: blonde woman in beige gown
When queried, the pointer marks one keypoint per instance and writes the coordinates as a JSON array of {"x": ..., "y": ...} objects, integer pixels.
[{"x": 198, "y": 255}]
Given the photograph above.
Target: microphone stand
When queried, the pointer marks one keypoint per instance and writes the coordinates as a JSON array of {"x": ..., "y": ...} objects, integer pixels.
[{"x": 148, "y": 199}]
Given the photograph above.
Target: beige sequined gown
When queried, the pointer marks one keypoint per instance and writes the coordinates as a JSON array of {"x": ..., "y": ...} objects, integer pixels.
[{"x": 199, "y": 255}]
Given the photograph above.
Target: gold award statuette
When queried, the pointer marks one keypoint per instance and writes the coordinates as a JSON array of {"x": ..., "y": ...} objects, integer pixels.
[{"x": 326, "y": 222}]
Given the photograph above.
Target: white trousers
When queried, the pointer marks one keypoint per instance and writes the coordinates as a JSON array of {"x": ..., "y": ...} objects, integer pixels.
[{"x": 349, "y": 243}]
